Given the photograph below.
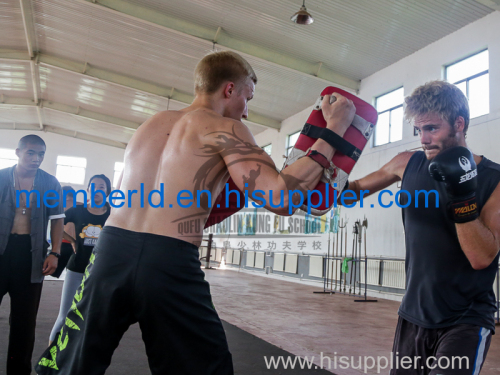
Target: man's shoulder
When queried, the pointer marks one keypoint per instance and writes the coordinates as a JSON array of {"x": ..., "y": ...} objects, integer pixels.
[
  {"x": 6, "y": 171},
  {"x": 490, "y": 165},
  {"x": 4, "y": 175},
  {"x": 48, "y": 179},
  {"x": 399, "y": 163}
]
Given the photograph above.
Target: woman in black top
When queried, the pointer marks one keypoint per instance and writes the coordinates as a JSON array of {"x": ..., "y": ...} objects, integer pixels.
[
  {"x": 89, "y": 222},
  {"x": 66, "y": 248}
]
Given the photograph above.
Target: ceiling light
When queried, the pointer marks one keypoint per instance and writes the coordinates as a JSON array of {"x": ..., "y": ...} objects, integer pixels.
[{"x": 302, "y": 17}]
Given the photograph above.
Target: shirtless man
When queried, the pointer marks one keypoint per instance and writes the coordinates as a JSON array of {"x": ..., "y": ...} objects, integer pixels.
[
  {"x": 23, "y": 247},
  {"x": 451, "y": 250},
  {"x": 143, "y": 270}
]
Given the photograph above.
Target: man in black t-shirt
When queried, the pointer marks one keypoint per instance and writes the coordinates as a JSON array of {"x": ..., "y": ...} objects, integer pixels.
[{"x": 447, "y": 314}]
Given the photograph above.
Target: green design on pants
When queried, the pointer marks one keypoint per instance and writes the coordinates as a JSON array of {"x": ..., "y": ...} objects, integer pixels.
[
  {"x": 75, "y": 309},
  {"x": 71, "y": 324},
  {"x": 50, "y": 363},
  {"x": 60, "y": 344}
]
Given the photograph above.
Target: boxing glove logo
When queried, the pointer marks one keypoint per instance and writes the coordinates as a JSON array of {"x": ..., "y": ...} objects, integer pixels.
[{"x": 465, "y": 164}]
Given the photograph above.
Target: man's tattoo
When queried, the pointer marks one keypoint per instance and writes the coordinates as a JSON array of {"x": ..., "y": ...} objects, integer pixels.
[{"x": 214, "y": 169}]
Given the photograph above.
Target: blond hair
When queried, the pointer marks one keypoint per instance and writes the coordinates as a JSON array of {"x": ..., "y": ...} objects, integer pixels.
[
  {"x": 440, "y": 97},
  {"x": 219, "y": 67}
]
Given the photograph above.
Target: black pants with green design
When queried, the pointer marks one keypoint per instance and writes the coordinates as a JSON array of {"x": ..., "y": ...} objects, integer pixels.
[{"x": 156, "y": 281}]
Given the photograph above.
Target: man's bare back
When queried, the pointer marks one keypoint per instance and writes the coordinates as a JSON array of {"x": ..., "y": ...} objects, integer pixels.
[{"x": 171, "y": 149}]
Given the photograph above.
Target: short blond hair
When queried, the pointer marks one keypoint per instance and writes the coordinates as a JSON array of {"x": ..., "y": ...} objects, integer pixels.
[
  {"x": 440, "y": 97},
  {"x": 219, "y": 67}
]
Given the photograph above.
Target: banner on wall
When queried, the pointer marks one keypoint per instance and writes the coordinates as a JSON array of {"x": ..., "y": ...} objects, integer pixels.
[{"x": 298, "y": 233}]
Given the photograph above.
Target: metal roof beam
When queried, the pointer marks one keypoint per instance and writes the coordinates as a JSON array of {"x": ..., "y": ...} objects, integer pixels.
[
  {"x": 29, "y": 33},
  {"x": 84, "y": 136},
  {"x": 64, "y": 132},
  {"x": 186, "y": 28},
  {"x": 124, "y": 82},
  {"x": 29, "y": 27},
  {"x": 75, "y": 111}
]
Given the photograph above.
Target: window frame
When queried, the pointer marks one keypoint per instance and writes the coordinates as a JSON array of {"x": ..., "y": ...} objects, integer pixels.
[
  {"x": 15, "y": 160},
  {"x": 469, "y": 78},
  {"x": 264, "y": 148},
  {"x": 288, "y": 147},
  {"x": 119, "y": 172},
  {"x": 71, "y": 166},
  {"x": 390, "y": 117}
]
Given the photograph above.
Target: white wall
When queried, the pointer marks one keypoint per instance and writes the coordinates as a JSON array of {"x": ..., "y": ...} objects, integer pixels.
[
  {"x": 385, "y": 230},
  {"x": 100, "y": 158}
]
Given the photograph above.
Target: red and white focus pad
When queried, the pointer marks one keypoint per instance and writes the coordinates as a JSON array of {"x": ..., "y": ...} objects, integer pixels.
[
  {"x": 222, "y": 212},
  {"x": 347, "y": 151}
]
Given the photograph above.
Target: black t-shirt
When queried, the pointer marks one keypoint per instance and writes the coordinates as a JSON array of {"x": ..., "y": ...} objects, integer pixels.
[
  {"x": 442, "y": 288},
  {"x": 87, "y": 229}
]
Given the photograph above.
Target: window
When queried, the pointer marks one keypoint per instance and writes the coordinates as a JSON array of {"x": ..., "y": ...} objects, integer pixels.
[
  {"x": 267, "y": 149},
  {"x": 290, "y": 141},
  {"x": 118, "y": 171},
  {"x": 390, "y": 117},
  {"x": 71, "y": 170},
  {"x": 8, "y": 158},
  {"x": 471, "y": 75}
]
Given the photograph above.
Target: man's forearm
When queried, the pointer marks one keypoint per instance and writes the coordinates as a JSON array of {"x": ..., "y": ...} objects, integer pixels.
[
  {"x": 56, "y": 234},
  {"x": 478, "y": 243},
  {"x": 304, "y": 174}
]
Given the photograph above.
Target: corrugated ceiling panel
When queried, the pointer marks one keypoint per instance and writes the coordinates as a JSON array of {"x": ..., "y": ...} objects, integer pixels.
[
  {"x": 15, "y": 79},
  {"x": 82, "y": 125},
  {"x": 354, "y": 38},
  {"x": 155, "y": 55},
  {"x": 280, "y": 93},
  {"x": 95, "y": 95},
  {"x": 18, "y": 115},
  {"x": 82, "y": 33},
  {"x": 11, "y": 26},
  {"x": 344, "y": 35}
]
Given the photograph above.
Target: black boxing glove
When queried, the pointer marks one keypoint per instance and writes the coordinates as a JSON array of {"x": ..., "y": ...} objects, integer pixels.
[{"x": 457, "y": 169}]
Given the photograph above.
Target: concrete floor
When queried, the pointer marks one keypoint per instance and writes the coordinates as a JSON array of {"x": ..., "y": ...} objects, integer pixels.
[
  {"x": 289, "y": 315},
  {"x": 285, "y": 314}
]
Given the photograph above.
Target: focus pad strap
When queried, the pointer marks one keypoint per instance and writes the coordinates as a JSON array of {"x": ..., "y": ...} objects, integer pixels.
[{"x": 333, "y": 139}]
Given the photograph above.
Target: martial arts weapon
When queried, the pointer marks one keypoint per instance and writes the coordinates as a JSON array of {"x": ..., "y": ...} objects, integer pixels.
[
  {"x": 365, "y": 225},
  {"x": 329, "y": 282},
  {"x": 345, "y": 253},
  {"x": 359, "y": 229},
  {"x": 353, "y": 255},
  {"x": 336, "y": 256},
  {"x": 209, "y": 252},
  {"x": 341, "y": 226},
  {"x": 326, "y": 277}
]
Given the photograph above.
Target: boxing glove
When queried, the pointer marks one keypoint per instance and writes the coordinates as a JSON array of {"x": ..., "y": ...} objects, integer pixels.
[{"x": 456, "y": 168}]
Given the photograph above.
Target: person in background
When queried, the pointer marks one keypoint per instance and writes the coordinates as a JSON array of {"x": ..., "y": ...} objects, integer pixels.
[
  {"x": 23, "y": 244},
  {"x": 88, "y": 221},
  {"x": 66, "y": 248}
]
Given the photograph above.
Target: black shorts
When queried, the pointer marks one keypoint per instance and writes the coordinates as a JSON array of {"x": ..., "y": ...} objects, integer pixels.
[
  {"x": 457, "y": 350},
  {"x": 156, "y": 281}
]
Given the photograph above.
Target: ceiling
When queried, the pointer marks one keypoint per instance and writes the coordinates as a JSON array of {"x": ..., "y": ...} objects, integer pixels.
[{"x": 96, "y": 70}]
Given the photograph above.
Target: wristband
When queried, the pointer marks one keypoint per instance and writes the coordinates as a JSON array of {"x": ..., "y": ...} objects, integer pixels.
[
  {"x": 57, "y": 255},
  {"x": 464, "y": 211},
  {"x": 318, "y": 158}
]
